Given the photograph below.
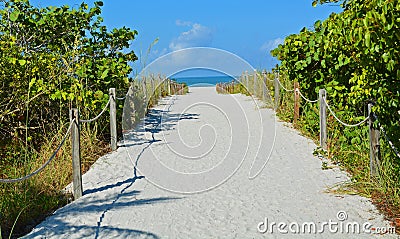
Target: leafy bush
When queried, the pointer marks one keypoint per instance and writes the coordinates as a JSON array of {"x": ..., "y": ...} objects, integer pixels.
[
  {"x": 51, "y": 60},
  {"x": 354, "y": 56}
]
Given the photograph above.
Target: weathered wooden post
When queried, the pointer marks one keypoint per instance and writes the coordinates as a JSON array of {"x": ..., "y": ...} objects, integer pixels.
[
  {"x": 113, "y": 118},
  {"x": 374, "y": 145},
  {"x": 296, "y": 102},
  {"x": 255, "y": 83},
  {"x": 165, "y": 83},
  {"x": 152, "y": 94},
  {"x": 277, "y": 89},
  {"x": 264, "y": 86},
  {"x": 153, "y": 87},
  {"x": 159, "y": 82},
  {"x": 169, "y": 86},
  {"x": 322, "y": 119},
  {"x": 76, "y": 154},
  {"x": 144, "y": 87}
]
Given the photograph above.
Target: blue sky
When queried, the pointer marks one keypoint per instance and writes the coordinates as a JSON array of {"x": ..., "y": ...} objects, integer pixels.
[{"x": 249, "y": 29}]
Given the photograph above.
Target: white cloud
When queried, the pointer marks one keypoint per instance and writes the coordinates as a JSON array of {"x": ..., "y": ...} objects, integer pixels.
[
  {"x": 198, "y": 35},
  {"x": 272, "y": 44}
]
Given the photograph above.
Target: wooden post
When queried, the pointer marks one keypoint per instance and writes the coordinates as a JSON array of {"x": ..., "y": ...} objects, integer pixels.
[
  {"x": 153, "y": 87},
  {"x": 165, "y": 83},
  {"x": 322, "y": 119},
  {"x": 264, "y": 87},
  {"x": 152, "y": 93},
  {"x": 169, "y": 86},
  {"x": 255, "y": 83},
  {"x": 175, "y": 89},
  {"x": 374, "y": 134},
  {"x": 159, "y": 82},
  {"x": 76, "y": 154},
  {"x": 277, "y": 89},
  {"x": 113, "y": 119},
  {"x": 144, "y": 87},
  {"x": 296, "y": 102}
]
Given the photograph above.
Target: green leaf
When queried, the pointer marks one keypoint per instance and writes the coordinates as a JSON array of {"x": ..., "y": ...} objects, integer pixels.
[
  {"x": 323, "y": 64},
  {"x": 385, "y": 57},
  {"x": 14, "y": 15},
  {"x": 33, "y": 81},
  {"x": 99, "y": 3},
  {"x": 22, "y": 62},
  {"x": 368, "y": 39},
  {"x": 104, "y": 75},
  {"x": 314, "y": 3},
  {"x": 13, "y": 60}
]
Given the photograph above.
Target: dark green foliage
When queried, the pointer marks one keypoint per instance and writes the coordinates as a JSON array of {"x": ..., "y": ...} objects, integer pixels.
[
  {"x": 51, "y": 60},
  {"x": 354, "y": 55}
]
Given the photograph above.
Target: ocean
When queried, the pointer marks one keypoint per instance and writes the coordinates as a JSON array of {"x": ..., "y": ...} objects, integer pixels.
[{"x": 203, "y": 81}]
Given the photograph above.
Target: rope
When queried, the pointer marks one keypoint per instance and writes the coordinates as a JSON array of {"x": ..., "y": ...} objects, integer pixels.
[
  {"x": 122, "y": 98},
  {"x": 387, "y": 138},
  {"x": 390, "y": 142},
  {"x": 348, "y": 125},
  {"x": 283, "y": 86},
  {"x": 44, "y": 165},
  {"x": 97, "y": 117},
  {"x": 308, "y": 100}
]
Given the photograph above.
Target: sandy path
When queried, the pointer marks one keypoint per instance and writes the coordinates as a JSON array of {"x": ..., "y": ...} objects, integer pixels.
[{"x": 214, "y": 145}]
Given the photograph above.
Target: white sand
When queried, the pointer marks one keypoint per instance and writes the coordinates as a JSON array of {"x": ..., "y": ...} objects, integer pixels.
[{"x": 208, "y": 143}]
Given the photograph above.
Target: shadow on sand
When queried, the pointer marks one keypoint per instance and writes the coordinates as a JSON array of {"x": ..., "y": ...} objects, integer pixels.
[{"x": 56, "y": 226}]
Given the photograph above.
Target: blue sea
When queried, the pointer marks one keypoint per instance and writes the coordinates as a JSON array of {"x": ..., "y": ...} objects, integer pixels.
[{"x": 203, "y": 81}]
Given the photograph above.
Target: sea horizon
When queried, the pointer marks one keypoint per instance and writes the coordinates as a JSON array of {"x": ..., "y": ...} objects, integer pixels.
[{"x": 202, "y": 81}]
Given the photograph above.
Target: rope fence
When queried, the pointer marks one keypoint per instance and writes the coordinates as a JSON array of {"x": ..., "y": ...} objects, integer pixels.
[
  {"x": 121, "y": 98},
  {"x": 44, "y": 165},
  {"x": 374, "y": 132},
  {"x": 170, "y": 88},
  {"x": 283, "y": 87},
  {"x": 395, "y": 150},
  {"x": 343, "y": 123},
  {"x": 98, "y": 116},
  {"x": 305, "y": 98}
]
